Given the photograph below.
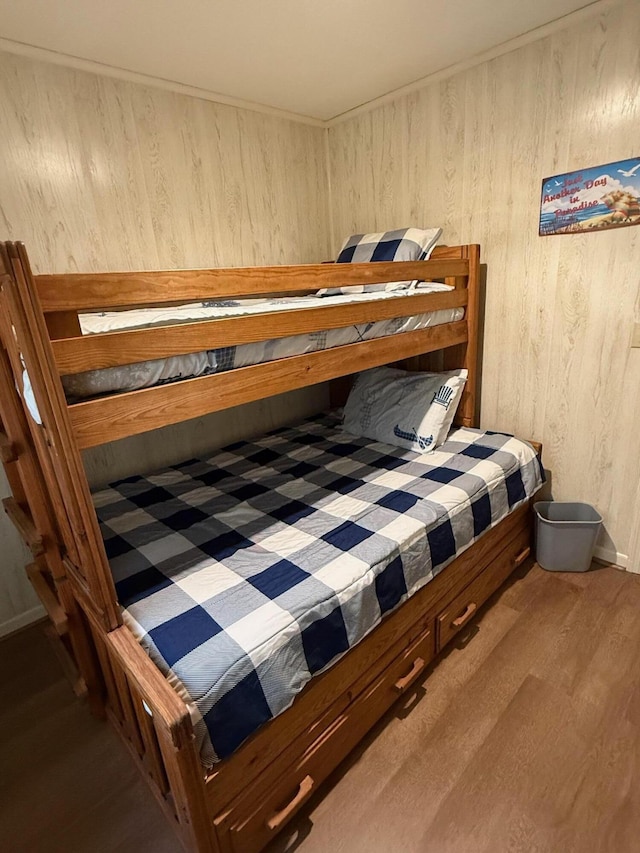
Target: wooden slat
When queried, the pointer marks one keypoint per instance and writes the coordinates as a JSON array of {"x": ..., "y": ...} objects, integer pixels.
[
  {"x": 24, "y": 524},
  {"x": 130, "y": 720},
  {"x": 439, "y": 253},
  {"x": 8, "y": 452},
  {"x": 152, "y": 756},
  {"x": 92, "y": 291},
  {"x": 92, "y": 352},
  {"x": 106, "y": 419},
  {"x": 113, "y": 698},
  {"x": 164, "y": 800},
  {"x": 46, "y": 595}
]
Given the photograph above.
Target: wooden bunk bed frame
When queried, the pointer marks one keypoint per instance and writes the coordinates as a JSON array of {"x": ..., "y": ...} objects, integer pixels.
[{"x": 246, "y": 799}]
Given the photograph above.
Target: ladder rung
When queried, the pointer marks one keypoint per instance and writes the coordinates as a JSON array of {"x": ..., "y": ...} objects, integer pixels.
[
  {"x": 8, "y": 451},
  {"x": 25, "y": 525},
  {"x": 48, "y": 598}
]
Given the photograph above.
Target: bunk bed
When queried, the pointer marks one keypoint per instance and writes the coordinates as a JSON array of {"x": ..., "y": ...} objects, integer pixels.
[{"x": 225, "y": 788}]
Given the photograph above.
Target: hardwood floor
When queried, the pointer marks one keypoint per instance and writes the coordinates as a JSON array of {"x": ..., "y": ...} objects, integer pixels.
[{"x": 524, "y": 738}]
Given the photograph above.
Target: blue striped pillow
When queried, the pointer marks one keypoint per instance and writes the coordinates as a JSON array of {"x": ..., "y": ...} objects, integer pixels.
[{"x": 404, "y": 244}]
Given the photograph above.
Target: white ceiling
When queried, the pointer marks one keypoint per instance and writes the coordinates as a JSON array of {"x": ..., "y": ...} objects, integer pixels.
[{"x": 317, "y": 58}]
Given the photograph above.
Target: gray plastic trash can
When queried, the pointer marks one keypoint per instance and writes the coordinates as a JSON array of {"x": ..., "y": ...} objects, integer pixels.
[{"x": 566, "y": 535}]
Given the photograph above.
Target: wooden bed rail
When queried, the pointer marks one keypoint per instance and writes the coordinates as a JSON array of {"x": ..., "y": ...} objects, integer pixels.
[
  {"x": 100, "y": 420},
  {"x": 99, "y": 291},
  {"x": 109, "y": 349},
  {"x": 109, "y": 418}
]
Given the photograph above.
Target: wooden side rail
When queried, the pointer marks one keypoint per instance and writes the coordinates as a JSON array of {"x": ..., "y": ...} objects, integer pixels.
[
  {"x": 109, "y": 418},
  {"x": 25, "y": 526},
  {"x": 108, "y": 349},
  {"x": 98, "y": 291}
]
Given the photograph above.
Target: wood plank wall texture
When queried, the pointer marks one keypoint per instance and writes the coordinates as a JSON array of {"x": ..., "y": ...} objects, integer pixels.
[
  {"x": 469, "y": 154},
  {"x": 99, "y": 174},
  {"x": 102, "y": 174}
]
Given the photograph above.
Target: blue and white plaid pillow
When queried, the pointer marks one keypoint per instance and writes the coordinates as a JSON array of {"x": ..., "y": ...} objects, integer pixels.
[{"x": 404, "y": 244}]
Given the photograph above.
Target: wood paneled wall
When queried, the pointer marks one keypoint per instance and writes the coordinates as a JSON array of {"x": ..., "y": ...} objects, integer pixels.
[
  {"x": 469, "y": 154},
  {"x": 99, "y": 174}
]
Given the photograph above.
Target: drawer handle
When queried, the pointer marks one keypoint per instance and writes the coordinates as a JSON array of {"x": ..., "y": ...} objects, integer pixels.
[
  {"x": 304, "y": 789},
  {"x": 522, "y": 556},
  {"x": 469, "y": 610},
  {"x": 404, "y": 682}
]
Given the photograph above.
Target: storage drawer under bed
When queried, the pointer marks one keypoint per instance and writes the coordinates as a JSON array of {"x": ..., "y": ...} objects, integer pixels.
[{"x": 252, "y": 828}]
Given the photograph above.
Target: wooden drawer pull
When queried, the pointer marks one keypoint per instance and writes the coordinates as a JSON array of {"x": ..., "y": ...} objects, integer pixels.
[
  {"x": 522, "y": 556},
  {"x": 402, "y": 683},
  {"x": 305, "y": 788},
  {"x": 470, "y": 609},
  {"x": 8, "y": 452}
]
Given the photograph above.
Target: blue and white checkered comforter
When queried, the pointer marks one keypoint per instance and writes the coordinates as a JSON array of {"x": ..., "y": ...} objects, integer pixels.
[{"x": 246, "y": 574}]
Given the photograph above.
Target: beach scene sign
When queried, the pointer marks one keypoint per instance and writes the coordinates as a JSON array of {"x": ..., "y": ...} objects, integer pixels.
[{"x": 592, "y": 199}]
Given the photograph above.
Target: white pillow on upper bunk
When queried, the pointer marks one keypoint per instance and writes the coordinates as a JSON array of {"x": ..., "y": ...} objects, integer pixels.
[
  {"x": 403, "y": 244},
  {"x": 403, "y": 408}
]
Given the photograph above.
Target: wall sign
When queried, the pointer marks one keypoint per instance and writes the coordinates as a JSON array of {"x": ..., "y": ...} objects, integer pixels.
[{"x": 592, "y": 199}]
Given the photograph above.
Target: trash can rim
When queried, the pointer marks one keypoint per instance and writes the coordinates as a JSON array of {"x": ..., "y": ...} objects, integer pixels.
[{"x": 598, "y": 520}]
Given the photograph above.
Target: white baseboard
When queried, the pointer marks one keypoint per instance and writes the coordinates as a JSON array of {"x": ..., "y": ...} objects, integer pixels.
[
  {"x": 611, "y": 557},
  {"x": 22, "y": 620}
]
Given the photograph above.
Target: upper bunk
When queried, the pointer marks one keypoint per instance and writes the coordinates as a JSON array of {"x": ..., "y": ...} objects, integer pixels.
[{"x": 61, "y": 298}]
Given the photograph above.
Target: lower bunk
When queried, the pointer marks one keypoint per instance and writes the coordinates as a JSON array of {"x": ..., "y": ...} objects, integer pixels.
[
  {"x": 442, "y": 532},
  {"x": 249, "y": 798}
]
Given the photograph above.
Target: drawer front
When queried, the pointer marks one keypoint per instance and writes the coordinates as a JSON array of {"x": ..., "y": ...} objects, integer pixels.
[
  {"x": 251, "y": 827},
  {"x": 463, "y": 607}
]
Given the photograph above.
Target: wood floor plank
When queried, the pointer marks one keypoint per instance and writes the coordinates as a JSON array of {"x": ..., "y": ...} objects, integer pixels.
[
  {"x": 509, "y": 769},
  {"x": 526, "y": 739}
]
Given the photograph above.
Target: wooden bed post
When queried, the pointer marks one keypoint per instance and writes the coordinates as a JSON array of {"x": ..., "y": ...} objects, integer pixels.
[
  {"x": 453, "y": 357},
  {"x": 469, "y": 414},
  {"x": 176, "y": 740}
]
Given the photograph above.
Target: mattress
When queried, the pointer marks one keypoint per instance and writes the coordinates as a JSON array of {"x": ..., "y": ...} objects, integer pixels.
[
  {"x": 246, "y": 574},
  {"x": 146, "y": 374}
]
